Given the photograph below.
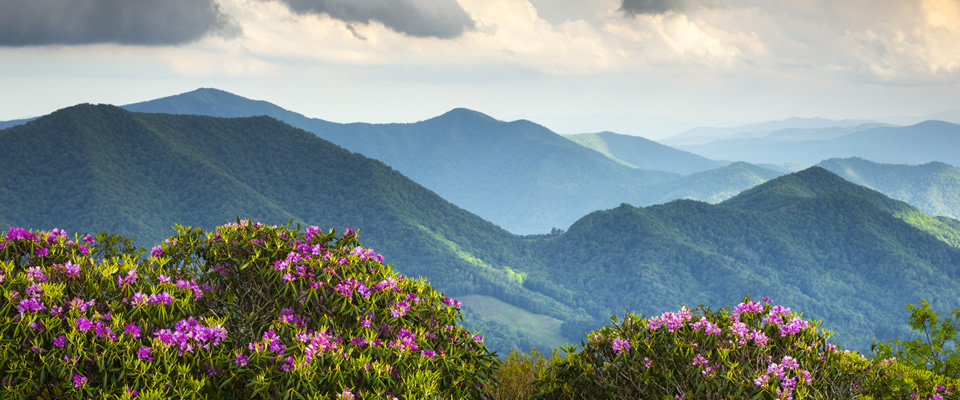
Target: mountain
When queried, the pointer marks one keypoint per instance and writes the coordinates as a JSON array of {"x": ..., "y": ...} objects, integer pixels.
[
  {"x": 933, "y": 187},
  {"x": 703, "y": 135},
  {"x": 7, "y": 124},
  {"x": 810, "y": 240},
  {"x": 916, "y": 144},
  {"x": 638, "y": 152},
  {"x": 517, "y": 174},
  {"x": 952, "y": 116},
  {"x": 92, "y": 168},
  {"x": 711, "y": 186}
]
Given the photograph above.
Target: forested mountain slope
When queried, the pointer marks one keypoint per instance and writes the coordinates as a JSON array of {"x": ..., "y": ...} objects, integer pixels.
[
  {"x": 91, "y": 168},
  {"x": 933, "y": 187},
  {"x": 808, "y": 239}
]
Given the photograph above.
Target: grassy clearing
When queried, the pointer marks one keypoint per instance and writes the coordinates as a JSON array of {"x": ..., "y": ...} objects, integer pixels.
[{"x": 543, "y": 329}]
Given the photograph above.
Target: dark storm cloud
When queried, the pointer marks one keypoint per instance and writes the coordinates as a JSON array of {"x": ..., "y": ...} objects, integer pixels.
[
  {"x": 422, "y": 18},
  {"x": 140, "y": 22},
  {"x": 652, "y": 7}
]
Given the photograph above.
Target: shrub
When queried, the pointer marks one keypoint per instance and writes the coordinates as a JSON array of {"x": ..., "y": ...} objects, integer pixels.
[
  {"x": 247, "y": 311},
  {"x": 517, "y": 374},
  {"x": 757, "y": 351}
]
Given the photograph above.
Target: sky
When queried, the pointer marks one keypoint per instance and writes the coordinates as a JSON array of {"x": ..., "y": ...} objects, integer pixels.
[{"x": 644, "y": 67}]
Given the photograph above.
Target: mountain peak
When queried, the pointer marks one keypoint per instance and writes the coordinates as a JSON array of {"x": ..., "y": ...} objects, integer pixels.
[
  {"x": 216, "y": 103},
  {"x": 783, "y": 191},
  {"x": 461, "y": 113}
]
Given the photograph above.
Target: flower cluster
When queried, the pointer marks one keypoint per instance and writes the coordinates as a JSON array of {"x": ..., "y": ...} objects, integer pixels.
[{"x": 188, "y": 335}]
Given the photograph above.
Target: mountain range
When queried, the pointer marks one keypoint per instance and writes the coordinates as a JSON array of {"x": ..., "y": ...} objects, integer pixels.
[
  {"x": 921, "y": 143},
  {"x": 701, "y": 135},
  {"x": 835, "y": 250},
  {"x": 518, "y": 175},
  {"x": 811, "y": 239}
]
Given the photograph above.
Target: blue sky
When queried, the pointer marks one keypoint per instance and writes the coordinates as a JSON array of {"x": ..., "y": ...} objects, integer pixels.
[{"x": 643, "y": 67}]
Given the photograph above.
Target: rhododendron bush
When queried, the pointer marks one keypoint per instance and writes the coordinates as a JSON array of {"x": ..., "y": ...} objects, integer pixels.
[
  {"x": 756, "y": 351},
  {"x": 246, "y": 311}
]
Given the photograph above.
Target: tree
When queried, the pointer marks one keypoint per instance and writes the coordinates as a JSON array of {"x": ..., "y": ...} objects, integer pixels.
[{"x": 935, "y": 350}]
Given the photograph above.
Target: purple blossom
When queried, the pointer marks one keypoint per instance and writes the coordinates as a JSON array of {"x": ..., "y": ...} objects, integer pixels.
[
  {"x": 71, "y": 269},
  {"x": 389, "y": 283},
  {"x": 41, "y": 252},
  {"x": 138, "y": 299},
  {"x": 144, "y": 353},
  {"x": 287, "y": 316},
  {"x": 35, "y": 274},
  {"x": 241, "y": 360},
  {"x": 451, "y": 302},
  {"x": 89, "y": 239},
  {"x": 188, "y": 335},
  {"x": 317, "y": 342},
  {"x": 363, "y": 290},
  {"x": 400, "y": 309},
  {"x": 161, "y": 298},
  {"x": 133, "y": 330},
  {"x": 795, "y": 325},
  {"x": 81, "y": 306},
  {"x": 277, "y": 347},
  {"x": 672, "y": 320},
  {"x": 427, "y": 353},
  {"x": 37, "y": 326},
  {"x": 759, "y": 338},
  {"x": 128, "y": 279},
  {"x": 34, "y": 290},
  {"x": 163, "y": 278},
  {"x": 30, "y": 304},
  {"x": 750, "y": 307},
  {"x": 620, "y": 345},
  {"x": 60, "y": 341},
  {"x": 15, "y": 233},
  {"x": 103, "y": 330},
  {"x": 708, "y": 327},
  {"x": 157, "y": 251},
  {"x": 406, "y": 340},
  {"x": 700, "y": 360},
  {"x": 79, "y": 380},
  {"x": 54, "y": 234},
  {"x": 191, "y": 285}
]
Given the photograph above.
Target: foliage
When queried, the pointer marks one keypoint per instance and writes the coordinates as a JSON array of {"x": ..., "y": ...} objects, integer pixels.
[
  {"x": 757, "y": 351},
  {"x": 935, "y": 349},
  {"x": 517, "y": 374},
  {"x": 248, "y": 311}
]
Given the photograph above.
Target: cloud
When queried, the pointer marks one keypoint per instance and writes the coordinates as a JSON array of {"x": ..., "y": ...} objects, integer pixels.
[
  {"x": 443, "y": 19},
  {"x": 654, "y": 7},
  {"x": 137, "y": 22}
]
